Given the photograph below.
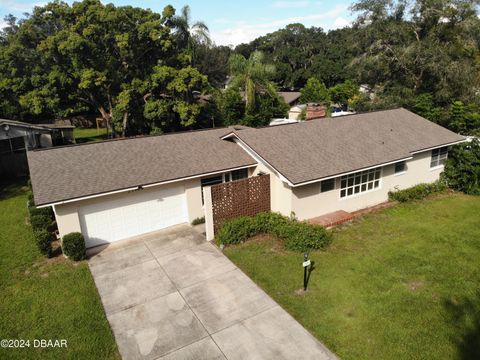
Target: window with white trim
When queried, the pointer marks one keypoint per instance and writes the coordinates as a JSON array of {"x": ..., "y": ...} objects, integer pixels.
[
  {"x": 359, "y": 182},
  {"x": 439, "y": 157}
]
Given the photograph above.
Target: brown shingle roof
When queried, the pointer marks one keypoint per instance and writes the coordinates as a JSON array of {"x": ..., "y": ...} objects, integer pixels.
[
  {"x": 75, "y": 171},
  {"x": 290, "y": 96},
  {"x": 320, "y": 148}
]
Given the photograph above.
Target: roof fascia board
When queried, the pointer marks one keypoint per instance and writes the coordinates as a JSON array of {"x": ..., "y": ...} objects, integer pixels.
[
  {"x": 142, "y": 186},
  {"x": 438, "y": 146},
  {"x": 351, "y": 172}
]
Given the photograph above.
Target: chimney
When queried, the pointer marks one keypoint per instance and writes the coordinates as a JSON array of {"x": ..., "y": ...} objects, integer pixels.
[{"x": 315, "y": 111}]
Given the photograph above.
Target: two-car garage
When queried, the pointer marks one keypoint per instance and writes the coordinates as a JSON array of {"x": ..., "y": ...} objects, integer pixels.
[
  {"x": 121, "y": 188},
  {"x": 133, "y": 213}
]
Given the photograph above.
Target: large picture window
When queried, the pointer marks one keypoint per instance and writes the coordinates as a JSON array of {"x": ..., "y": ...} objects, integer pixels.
[
  {"x": 359, "y": 182},
  {"x": 439, "y": 157}
]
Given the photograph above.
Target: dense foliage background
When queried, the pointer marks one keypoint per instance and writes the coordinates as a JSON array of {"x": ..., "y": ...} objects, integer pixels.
[{"x": 145, "y": 72}]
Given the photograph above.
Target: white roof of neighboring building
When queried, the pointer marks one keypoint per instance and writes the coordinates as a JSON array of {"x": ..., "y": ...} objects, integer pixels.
[
  {"x": 342, "y": 113},
  {"x": 282, "y": 121}
]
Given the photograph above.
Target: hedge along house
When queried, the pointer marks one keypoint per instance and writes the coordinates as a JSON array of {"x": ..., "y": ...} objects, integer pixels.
[{"x": 117, "y": 189}]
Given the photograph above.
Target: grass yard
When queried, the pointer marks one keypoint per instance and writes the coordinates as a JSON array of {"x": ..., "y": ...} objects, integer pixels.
[
  {"x": 87, "y": 135},
  {"x": 45, "y": 298},
  {"x": 403, "y": 283}
]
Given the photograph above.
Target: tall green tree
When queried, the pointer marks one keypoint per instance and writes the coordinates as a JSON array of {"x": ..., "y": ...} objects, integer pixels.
[
  {"x": 64, "y": 60},
  {"x": 253, "y": 76},
  {"x": 425, "y": 46},
  {"x": 189, "y": 35},
  {"x": 171, "y": 102},
  {"x": 300, "y": 53},
  {"x": 462, "y": 170},
  {"x": 343, "y": 92},
  {"x": 314, "y": 91}
]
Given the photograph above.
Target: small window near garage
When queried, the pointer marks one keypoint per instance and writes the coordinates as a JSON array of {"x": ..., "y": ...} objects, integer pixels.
[
  {"x": 327, "y": 185},
  {"x": 211, "y": 181},
  {"x": 439, "y": 157},
  {"x": 400, "y": 167},
  {"x": 239, "y": 174}
]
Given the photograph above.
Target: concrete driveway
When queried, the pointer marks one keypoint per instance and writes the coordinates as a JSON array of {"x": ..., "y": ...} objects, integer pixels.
[{"x": 172, "y": 295}]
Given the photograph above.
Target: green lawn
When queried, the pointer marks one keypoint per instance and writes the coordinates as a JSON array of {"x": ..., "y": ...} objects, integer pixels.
[
  {"x": 87, "y": 135},
  {"x": 403, "y": 283},
  {"x": 45, "y": 298}
]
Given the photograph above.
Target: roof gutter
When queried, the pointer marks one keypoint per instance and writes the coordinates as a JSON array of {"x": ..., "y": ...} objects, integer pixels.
[
  {"x": 439, "y": 146},
  {"x": 351, "y": 172},
  {"x": 139, "y": 187}
]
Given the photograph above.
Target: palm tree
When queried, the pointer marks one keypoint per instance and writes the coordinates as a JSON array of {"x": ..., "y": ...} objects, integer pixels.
[
  {"x": 252, "y": 75},
  {"x": 188, "y": 34}
]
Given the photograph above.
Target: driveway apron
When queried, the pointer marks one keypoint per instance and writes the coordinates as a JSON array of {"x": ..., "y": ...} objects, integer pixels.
[{"x": 173, "y": 295}]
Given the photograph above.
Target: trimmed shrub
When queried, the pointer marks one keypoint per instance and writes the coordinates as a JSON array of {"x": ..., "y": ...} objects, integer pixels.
[
  {"x": 44, "y": 240},
  {"x": 199, "y": 220},
  {"x": 417, "y": 192},
  {"x": 301, "y": 236},
  {"x": 52, "y": 227},
  {"x": 236, "y": 230},
  {"x": 40, "y": 222},
  {"x": 46, "y": 211},
  {"x": 297, "y": 235},
  {"x": 73, "y": 246}
]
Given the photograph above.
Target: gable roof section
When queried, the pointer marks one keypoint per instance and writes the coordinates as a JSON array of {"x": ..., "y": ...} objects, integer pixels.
[
  {"x": 64, "y": 173},
  {"x": 290, "y": 96},
  {"x": 322, "y": 148}
]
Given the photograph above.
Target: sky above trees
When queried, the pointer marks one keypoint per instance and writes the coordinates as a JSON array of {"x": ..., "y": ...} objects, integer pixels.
[{"x": 232, "y": 22}]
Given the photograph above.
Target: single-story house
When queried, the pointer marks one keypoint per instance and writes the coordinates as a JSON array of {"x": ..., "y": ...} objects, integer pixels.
[{"x": 117, "y": 189}]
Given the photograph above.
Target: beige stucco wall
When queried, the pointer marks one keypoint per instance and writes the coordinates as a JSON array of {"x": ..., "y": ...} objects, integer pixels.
[
  {"x": 68, "y": 219},
  {"x": 309, "y": 202}
]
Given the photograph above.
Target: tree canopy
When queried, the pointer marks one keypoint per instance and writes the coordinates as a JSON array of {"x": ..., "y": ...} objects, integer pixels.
[
  {"x": 66, "y": 59},
  {"x": 144, "y": 71},
  {"x": 314, "y": 91}
]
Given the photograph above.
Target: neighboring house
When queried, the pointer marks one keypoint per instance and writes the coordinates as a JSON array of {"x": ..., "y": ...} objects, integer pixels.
[
  {"x": 116, "y": 189},
  {"x": 290, "y": 97},
  {"x": 62, "y": 134},
  {"x": 17, "y": 136},
  {"x": 341, "y": 113},
  {"x": 281, "y": 121},
  {"x": 295, "y": 112}
]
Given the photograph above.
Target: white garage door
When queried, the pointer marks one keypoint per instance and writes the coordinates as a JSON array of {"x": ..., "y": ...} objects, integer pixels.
[{"x": 133, "y": 214}]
